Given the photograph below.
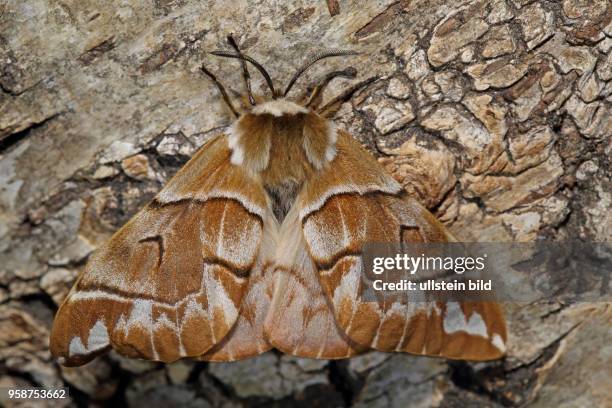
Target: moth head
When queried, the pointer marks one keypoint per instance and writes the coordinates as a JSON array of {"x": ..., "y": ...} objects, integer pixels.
[{"x": 278, "y": 103}]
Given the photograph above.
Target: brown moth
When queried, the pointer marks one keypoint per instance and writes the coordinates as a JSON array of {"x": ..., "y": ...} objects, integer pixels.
[{"x": 254, "y": 244}]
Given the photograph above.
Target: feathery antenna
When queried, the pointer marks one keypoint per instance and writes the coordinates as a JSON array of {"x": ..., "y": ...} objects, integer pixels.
[
  {"x": 350, "y": 72},
  {"x": 257, "y": 65},
  {"x": 245, "y": 69},
  {"x": 317, "y": 57},
  {"x": 221, "y": 89}
]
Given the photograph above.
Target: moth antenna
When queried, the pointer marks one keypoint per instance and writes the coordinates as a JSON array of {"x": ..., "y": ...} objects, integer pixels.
[
  {"x": 252, "y": 61},
  {"x": 221, "y": 89},
  {"x": 317, "y": 57},
  {"x": 347, "y": 73},
  {"x": 345, "y": 96},
  {"x": 245, "y": 69}
]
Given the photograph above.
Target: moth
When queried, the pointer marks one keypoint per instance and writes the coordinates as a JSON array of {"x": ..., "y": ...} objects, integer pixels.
[{"x": 255, "y": 244}]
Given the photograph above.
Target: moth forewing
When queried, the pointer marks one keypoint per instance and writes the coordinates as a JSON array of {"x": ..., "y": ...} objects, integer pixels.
[
  {"x": 352, "y": 203},
  {"x": 169, "y": 284},
  {"x": 247, "y": 339}
]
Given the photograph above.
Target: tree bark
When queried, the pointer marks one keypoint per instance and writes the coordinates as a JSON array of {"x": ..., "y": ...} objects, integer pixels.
[{"x": 495, "y": 114}]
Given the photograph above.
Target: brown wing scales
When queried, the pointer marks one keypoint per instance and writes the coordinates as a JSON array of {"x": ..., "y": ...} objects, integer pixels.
[
  {"x": 336, "y": 231},
  {"x": 247, "y": 338},
  {"x": 169, "y": 284},
  {"x": 300, "y": 321},
  {"x": 393, "y": 324}
]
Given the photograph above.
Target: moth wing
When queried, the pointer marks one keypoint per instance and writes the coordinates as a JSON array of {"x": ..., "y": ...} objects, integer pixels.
[
  {"x": 246, "y": 339},
  {"x": 169, "y": 283},
  {"x": 300, "y": 321},
  {"x": 336, "y": 231}
]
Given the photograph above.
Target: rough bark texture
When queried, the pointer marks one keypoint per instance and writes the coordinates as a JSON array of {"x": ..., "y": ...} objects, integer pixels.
[{"x": 496, "y": 114}]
